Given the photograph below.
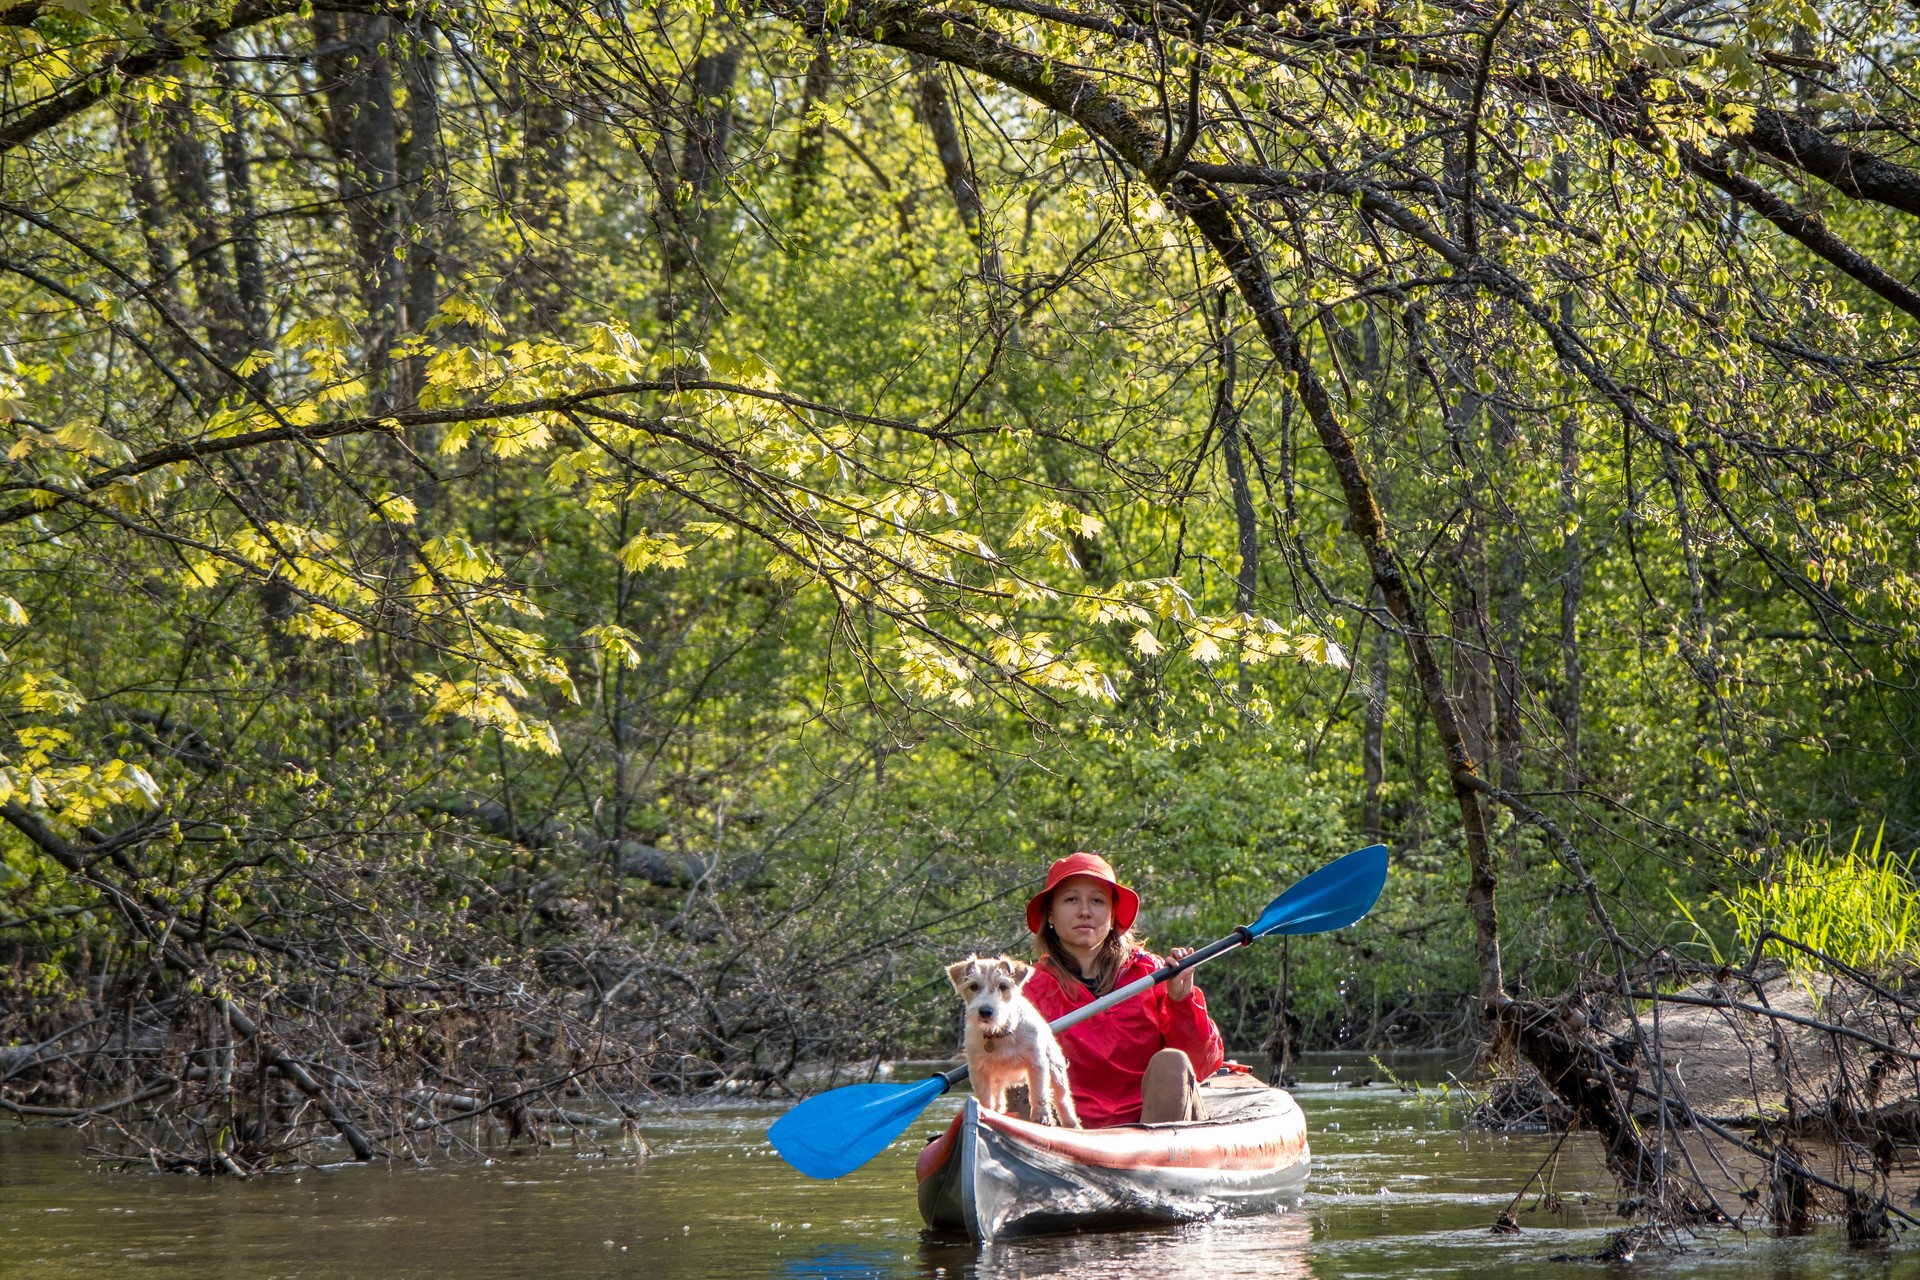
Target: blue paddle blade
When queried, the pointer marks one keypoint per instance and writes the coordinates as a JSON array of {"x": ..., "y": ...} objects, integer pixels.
[
  {"x": 1333, "y": 897},
  {"x": 835, "y": 1132}
]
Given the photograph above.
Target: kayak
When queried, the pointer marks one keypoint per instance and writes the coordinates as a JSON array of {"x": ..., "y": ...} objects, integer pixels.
[{"x": 990, "y": 1176}]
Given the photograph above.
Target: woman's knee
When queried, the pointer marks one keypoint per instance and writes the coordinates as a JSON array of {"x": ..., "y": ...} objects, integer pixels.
[
  {"x": 1170, "y": 1091},
  {"x": 1174, "y": 1060}
]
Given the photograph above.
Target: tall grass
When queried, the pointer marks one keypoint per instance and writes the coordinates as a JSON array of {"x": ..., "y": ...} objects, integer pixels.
[{"x": 1859, "y": 908}]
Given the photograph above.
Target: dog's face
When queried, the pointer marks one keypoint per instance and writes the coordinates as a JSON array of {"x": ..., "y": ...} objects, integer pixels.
[{"x": 991, "y": 989}]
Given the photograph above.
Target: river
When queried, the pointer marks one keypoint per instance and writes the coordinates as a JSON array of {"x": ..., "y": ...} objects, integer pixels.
[{"x": 1398, "y": 1190}]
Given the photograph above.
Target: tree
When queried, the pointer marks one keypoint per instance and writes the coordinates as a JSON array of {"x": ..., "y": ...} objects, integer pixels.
[{"x": 972, "y": 443}]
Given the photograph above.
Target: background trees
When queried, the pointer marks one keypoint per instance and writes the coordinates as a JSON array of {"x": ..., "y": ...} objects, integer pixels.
[{"x": 569, "y": 546}]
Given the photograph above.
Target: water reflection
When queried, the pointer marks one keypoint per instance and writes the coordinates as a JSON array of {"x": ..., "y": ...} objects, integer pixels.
[
  {"x": 838, "y": 1263},
  {"x": 1272, "y": 1248}
]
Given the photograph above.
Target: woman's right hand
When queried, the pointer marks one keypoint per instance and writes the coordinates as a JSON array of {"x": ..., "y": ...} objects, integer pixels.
[{"x": 1181, "y": 987}]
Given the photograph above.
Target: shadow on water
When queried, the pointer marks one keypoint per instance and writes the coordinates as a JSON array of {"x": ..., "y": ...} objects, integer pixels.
[{"x": 1397, "y": 1191}]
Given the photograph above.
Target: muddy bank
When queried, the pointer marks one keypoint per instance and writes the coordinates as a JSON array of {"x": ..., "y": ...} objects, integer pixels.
[
  {"x": 1810, "y": 1053},
  {"x": 1805, "y": 1083},
  {"x": 1803, "y": 1053}
]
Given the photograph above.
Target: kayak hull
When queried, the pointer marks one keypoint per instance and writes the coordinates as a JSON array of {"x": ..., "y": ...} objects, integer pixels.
[{"x": 991, "y": 1176}]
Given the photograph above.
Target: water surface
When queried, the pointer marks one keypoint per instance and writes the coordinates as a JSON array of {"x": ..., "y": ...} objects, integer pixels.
[{"x": 1397, "y": 1191}]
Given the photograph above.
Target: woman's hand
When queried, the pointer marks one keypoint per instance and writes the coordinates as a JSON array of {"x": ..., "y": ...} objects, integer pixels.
[{"x": 1181, "y": 987}]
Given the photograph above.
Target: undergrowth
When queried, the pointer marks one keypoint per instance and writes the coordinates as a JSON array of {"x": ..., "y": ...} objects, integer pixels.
[{"x": 1858, "y": 908}]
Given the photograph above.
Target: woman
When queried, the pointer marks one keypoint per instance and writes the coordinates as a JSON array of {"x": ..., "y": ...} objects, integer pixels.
[{"x": 1141, "y": 1061}]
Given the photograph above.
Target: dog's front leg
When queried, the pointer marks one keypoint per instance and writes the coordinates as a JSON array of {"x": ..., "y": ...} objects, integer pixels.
[
  {"x": 1061, "y": 1093},
  {"x": 1040, "y": 1089}
]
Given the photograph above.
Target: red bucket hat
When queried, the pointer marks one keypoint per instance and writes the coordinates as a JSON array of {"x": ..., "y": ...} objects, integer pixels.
[{"x": 1126, "y": 903}]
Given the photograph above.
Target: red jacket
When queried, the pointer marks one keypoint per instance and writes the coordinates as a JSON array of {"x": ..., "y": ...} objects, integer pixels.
[{"x": 1107, "y": 1054}]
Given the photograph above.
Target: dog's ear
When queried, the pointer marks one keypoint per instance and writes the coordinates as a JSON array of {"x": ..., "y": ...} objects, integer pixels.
[
  {"x": 957, "y": 971},
  {"x": 1020, "y": 969}
]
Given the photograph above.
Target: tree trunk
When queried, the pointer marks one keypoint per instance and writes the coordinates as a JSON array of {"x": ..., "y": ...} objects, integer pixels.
[
  {"x": 956, "y": 166},
  {"x": 1226, "y": 418},
  {"x": 936, "y": 111},
  {"x": 243, "y": 220},
  {"x": 685, "y": 217},
  {"x": 1508, "y": 591},
  {"x": 810, "y": 149},
  {"x": 148, "y": 208},
  {"x": 541, "y": 277},
  {"x": 1373, "y": 754},
  {"x": 423, "y": 177},
  {"x": 1467, "y": 585},
  {"x": 1215, "y": 220},
  {"x": 1567, "y": 701},
  {"x": 1227, "y": 421},
  {"x": 357, "y": 84},
  {"x": 1373, "y": 732},
  {"x": 189, "y": 179}
]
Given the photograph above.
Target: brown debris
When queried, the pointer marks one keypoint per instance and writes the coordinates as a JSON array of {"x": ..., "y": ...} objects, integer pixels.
[{"x": 1806, "y": 1085}]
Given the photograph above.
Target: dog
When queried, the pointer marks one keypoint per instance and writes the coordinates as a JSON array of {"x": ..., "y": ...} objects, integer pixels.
[{"x": 1008, "y": 1042}]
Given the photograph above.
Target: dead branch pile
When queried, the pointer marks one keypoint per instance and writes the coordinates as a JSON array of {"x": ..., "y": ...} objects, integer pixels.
[
  {"x": 359, "y": 998},
  {"x": 1518, "y": 1101},
  {"x": 1798, "y": 1091}
]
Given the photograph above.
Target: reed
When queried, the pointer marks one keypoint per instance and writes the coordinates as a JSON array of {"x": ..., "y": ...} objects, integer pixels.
[{"x": 1858, "y": 907}]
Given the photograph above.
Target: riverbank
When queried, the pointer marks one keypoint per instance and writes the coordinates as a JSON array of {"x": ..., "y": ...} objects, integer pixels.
[{"x": 1814, "y": 1055}]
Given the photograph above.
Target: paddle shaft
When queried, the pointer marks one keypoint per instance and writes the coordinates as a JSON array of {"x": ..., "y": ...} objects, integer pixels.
[{"x": 1167, "y": 973}]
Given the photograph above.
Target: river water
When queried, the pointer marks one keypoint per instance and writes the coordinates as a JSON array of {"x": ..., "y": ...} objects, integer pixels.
[{"x": 1398, "y": 1190}]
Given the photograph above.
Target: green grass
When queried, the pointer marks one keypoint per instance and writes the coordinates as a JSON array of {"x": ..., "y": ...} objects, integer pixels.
[{"x": 1859, "y": 908}]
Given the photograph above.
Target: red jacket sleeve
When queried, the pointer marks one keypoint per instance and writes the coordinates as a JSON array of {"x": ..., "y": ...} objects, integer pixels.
[{"x": 1188, "y": 1028}]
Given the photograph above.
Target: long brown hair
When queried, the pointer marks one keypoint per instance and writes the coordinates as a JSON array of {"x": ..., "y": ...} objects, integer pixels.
[{"x": 1119, "y": 947}]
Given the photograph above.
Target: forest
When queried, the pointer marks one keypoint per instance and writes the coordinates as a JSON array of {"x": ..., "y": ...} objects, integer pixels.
[{"x": 557, "y": 552}]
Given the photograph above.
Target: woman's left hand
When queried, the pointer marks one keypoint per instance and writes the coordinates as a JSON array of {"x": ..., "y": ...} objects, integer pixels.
[{"x": 1181, "y": 987}]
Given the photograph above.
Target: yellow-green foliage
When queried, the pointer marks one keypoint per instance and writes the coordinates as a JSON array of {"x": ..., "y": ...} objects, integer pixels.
[{"x": 1858, "y": 908}]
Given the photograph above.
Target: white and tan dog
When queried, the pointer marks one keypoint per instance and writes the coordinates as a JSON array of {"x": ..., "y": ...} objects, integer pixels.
[{"x": 1008, "y": 1042}]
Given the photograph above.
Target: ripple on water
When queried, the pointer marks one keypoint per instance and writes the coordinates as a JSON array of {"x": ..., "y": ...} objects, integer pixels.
[{"x": 714, "y": 1201}]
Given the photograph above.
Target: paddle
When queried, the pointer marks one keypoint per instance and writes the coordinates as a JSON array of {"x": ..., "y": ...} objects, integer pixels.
[{"x": 834, "y": 1133}]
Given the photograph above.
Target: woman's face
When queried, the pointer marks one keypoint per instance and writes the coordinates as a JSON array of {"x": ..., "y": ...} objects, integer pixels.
[{"x": 1081, "y": 913}]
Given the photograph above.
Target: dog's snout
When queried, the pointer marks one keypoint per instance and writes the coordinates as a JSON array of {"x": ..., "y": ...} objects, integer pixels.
[{"x": 986, "y": 1012}]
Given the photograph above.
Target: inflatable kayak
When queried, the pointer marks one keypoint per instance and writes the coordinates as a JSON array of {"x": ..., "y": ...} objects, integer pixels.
[{"x": 990, "y": 1175}]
